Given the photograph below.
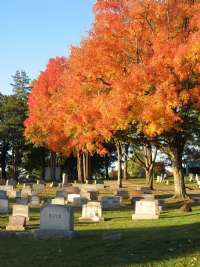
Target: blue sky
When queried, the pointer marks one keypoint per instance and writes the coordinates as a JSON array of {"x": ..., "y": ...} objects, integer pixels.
[{"x": 32, "y": 31}]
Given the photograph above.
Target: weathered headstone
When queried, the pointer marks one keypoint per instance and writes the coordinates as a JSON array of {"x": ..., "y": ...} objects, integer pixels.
[
  {"x": 61, "y": 194},
  {"x": 146, "y": 209},
  {"x": 92, "y": 212},
  {"x": 64, "y": 179},
  {"x": 122, "y": 193},
  {"x": 91, "y": 195},
  {"x": 58, "y": 201},
  {"x": 3, "y": 194},
  {"x": 71, "y": 197},
  {"x": 4, "y": 206},
  {"x": 144, "y": 189},
  {"x": 35, "y": 200},
  {"x": 16, "y": 223},
  {"x": 22, "y": 200},
  {"x": 111, "y": 202},
  {"x": 71, "y": 189},
  {"x": 38, "y": 188},
  {"x": 21, "y": 210},
  {"x": 56, "y": 221},
  {"x": 26, "y": 192},
  {"x": 79, "y": 202}
]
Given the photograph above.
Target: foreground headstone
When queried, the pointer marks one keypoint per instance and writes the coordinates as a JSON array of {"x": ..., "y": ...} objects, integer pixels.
[
  {"x": 92, "y": 212},
  {"x": 146, "y": 209},
  {"x": 111, "y": 202},
  {"x": 21, "y": 210},
  {"x": 16, "y": 223},
  {"x": 56, "y": 221}
]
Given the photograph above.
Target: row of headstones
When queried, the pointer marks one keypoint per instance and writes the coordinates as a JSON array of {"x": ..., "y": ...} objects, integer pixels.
[{"x": 61, "y": 217}]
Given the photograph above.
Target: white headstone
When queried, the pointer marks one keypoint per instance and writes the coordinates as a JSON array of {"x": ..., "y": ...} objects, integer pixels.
[
  {"x": 16, "y": 223},
  {"x": 146, "y": 209},
  {"x": 92, "y": 211},
  {"x": 58, "y": 201},
  {"x": 21, "y": 210},
  {"x": 56, "y": 221}
]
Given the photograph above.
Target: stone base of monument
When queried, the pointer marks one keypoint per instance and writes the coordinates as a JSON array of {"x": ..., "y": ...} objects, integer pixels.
[
  {"x": 54, "y": 234},
  {"x": 144, "y": 217},
  {"x": 91, "y": 219},
  {"x": 16, "y": 223}
]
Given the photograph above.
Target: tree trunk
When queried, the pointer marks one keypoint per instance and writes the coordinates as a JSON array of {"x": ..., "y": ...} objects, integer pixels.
[
  {"x": 3, "y": 159},
  {"x": 106, "y": 166},
  {"x": 87, "y": 171},
  {"x": 125, "y": 174},
  {"x": 119, "y": 156},
  {"x": 80, "y": 167},
  {"x": 53, "y": 165},
  {"x": 149, "y": 177},
  {"x": 43, "y": 166},
  {"x": 15, "y": 155},
  {"x": 149, "y": 164},
  {"x": 176, "y": 152},
  {"x": 84, "y": 167}
]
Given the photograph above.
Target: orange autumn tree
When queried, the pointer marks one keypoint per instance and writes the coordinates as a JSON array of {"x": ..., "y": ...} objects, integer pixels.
[
  {"x": 159, "y": 92},
  {"x": 138, "y": 69},
  {"x": 43, "y": 125}
]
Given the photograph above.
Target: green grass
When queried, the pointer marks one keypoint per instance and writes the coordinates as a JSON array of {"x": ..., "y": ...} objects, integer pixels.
[{"x": 173, "y": 240}]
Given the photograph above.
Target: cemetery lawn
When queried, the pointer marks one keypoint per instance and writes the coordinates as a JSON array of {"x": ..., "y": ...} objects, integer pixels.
[{"x": 173, "y": 240}]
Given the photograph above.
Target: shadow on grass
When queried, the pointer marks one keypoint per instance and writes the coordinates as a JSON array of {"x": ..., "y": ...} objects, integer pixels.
[{"x": 135, "y": 246}]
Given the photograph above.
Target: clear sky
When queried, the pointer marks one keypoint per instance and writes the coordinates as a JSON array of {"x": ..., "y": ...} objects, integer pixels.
[{"x": 32, "y": 31}]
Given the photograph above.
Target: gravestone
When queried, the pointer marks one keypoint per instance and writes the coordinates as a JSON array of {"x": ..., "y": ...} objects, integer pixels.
[
  {"x": 91, "y": 195},
  {"x": 122, "y": 193},
  {"x": 26, "y": 192},
  {"x": 58, "y": 201},
  {"x": 21, "y": 210},
  {"x": 144, "y": 189},
  {"x": 64, "y": 179},
  {"x": 136, "y": 193},
  {"x": 11, "y": 182},
  {"x": 16, "y": 223},
  {"x": 61, "y": 194},
  {"x": 110, "y": 202},
  {"x": 3, "y": 206},
  {"x": 78, "y": 202},
  {"x": 70, "y": 197},
  {"x": 35, "y": 200},
  {"x": 12, "y": 194},
  {"x": 146, "y": 209},
  {"x": 92, "y": 212},
  {"x": 71, "y": 189},
  {"x": 38, "y": 188},
  {"x": 3, "y": 194},
  {"x": 22, "y": 200},
  {"x": 56, "y": 221},
  {"x": 7, "y": 188}
]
